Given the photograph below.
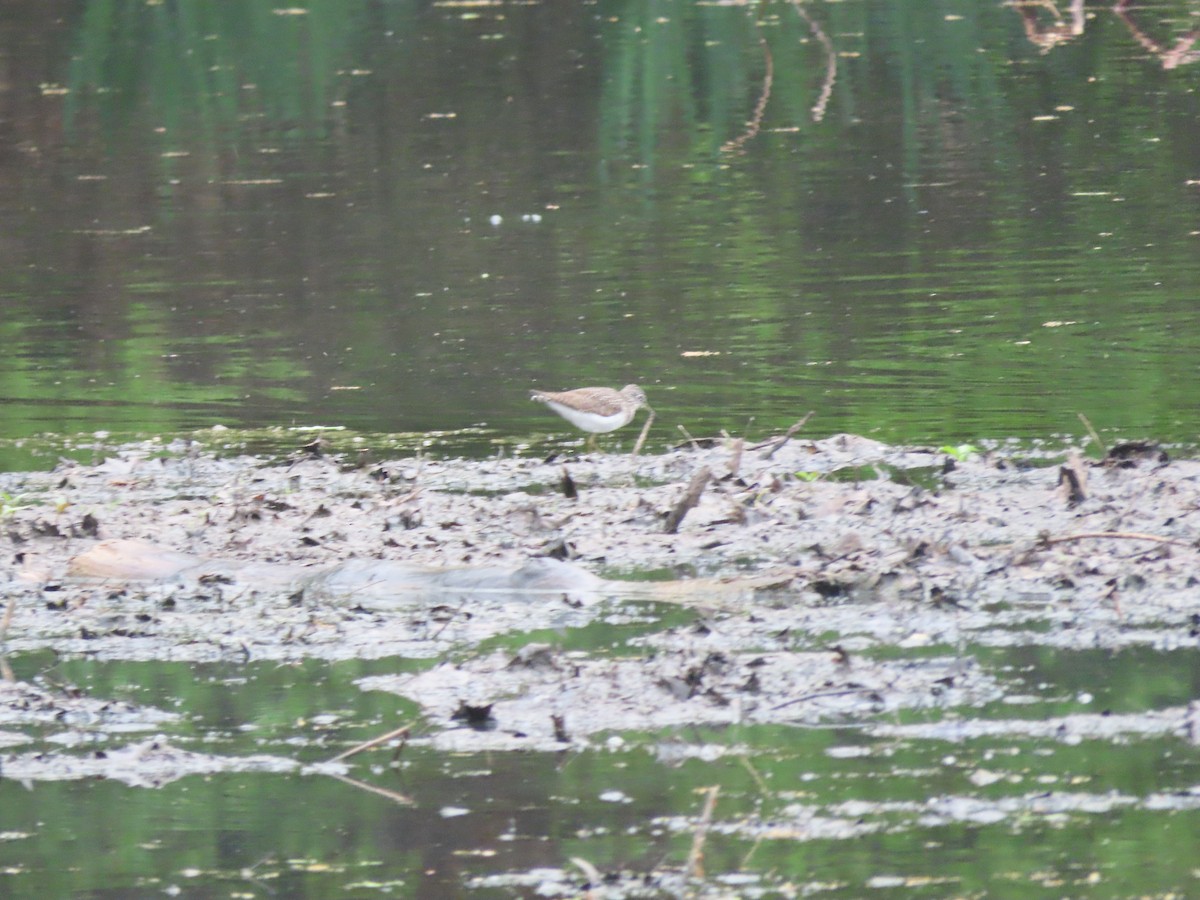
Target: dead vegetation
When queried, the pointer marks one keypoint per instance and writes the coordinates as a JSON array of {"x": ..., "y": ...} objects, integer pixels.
[{"x": 784, "y": 550}]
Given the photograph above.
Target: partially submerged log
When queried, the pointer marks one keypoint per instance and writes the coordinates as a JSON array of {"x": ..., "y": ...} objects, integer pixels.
[
  {"x": 386, "y": 583},
  {"x": 131, "y": 560}
]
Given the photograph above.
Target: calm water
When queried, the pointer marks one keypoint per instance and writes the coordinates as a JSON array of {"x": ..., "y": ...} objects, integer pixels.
[
  {"x": 400, "y": 216},
  {"x": 474, "y": 815},
  {"x": 951, "y": 221}
]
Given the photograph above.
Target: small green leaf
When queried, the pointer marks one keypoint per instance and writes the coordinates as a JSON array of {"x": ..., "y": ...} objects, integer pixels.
[{"x": 961, "y": 452}]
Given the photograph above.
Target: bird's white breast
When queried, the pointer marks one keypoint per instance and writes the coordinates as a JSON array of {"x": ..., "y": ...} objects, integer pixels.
[{"x": 590, "y": 421}]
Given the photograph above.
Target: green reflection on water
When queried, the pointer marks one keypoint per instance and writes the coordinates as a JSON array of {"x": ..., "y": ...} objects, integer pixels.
[
  {"x": 598, "y": 638},
  {"x": 255, "y": 707},
  {"x": 1131, "y": 680},
  {"x": 314, "y": 836},
  {"x": 975, "y": 238}
]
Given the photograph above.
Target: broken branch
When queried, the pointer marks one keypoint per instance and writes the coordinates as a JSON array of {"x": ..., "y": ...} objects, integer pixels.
[
  {"x": 637, "y": 448},
  {"x": 695, "y": 860},
  {"x": 374, "y": 742},
  {"x": 776, "y": 443},
  {"x": 689, "y": 500},
  {"x": 1115, "y": 535}
]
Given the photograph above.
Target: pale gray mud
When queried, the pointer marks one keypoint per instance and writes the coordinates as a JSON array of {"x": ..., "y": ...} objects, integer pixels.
[{"x": 830, "y": 581}]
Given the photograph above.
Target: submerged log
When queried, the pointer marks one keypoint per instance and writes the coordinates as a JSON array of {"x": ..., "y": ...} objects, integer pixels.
[
  {"x": 385, "y": 584},
  {"x": 133, "y": 560}
]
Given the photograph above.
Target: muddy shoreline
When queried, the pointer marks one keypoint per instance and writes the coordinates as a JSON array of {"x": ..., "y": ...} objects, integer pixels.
[{"x": 824, "y": 581}]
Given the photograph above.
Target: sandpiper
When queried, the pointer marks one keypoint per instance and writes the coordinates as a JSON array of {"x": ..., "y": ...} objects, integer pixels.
[{"x": 597, "y": 410}]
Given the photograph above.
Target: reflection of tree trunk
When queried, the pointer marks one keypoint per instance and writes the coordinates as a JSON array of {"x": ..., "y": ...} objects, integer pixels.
[
  {"x": 31, "y": 33},
  {"x": 818, "y": 110},
  {"x": 32, "y": 55},
  {"x": 1180, "y": 55},
  {"x": 754, "y": 125},
  {"x": 1047, "y": 37}
]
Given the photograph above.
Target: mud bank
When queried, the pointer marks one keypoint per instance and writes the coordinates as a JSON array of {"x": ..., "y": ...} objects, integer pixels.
[{"x": 827, "y": 580}]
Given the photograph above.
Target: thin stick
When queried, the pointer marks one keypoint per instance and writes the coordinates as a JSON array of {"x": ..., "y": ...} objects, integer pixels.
[
  {"x": 8, "y": 617},
  {"x": 1092, "y": 432},
  {"x": 695, "y": 860},
  {"x": 758, "y": 779},
  {"x": 6, "y": 671},
  {"x": 750, "y": 853},
  {"x": 374, "y": 742},
  {"x": 820, "y": 694},
  {"x": 1116, "y": 535},
  {"x": 590, "y": 872},
  {"x": 788, "y": 434},
  {"x": 691, "y": 440},
  {"x": 735, "y": 460},
  {"x": 637, "y": 448},
  {"x": 454, "y": 615},
  {"x": 371, "y": 789}
]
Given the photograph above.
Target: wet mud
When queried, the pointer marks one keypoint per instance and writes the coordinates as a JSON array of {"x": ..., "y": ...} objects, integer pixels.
[
  {"x": 796, "y": 571},
  {"x": 830, "y": 582}
]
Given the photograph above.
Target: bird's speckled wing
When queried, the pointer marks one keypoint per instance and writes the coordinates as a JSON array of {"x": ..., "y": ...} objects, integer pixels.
[{"x": 599, "y": 400}]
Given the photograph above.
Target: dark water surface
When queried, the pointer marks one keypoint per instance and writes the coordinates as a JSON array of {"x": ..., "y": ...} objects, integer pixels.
[{"x": 401, "y": 216}]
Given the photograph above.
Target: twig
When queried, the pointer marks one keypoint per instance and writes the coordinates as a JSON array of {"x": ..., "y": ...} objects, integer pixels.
[
  {"x": 1092, "y": 432},
  {"x": 453, "y": 615},
  {"x": 758, "y": 779},
  {"x": 787, "y": 436},
  {"x": 735, "y": 460},
  {"x": 689, "y": 500},
  {"x": 6, "y": 671},
  {"x": 758, "y": 838},
  {"x": 8, "y": 617},
  {"x": 590, "y": 872},
  {"x": 637, "y": 448},
  {"x": 688, "y": 436},
  {"x": 374, "y": 742},
  {"x": 372, "y": 789},
  {"x": 695, "y": 860},
  {"x": 1115, "y": 535},
  {"x": 819, "y": 694}
]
